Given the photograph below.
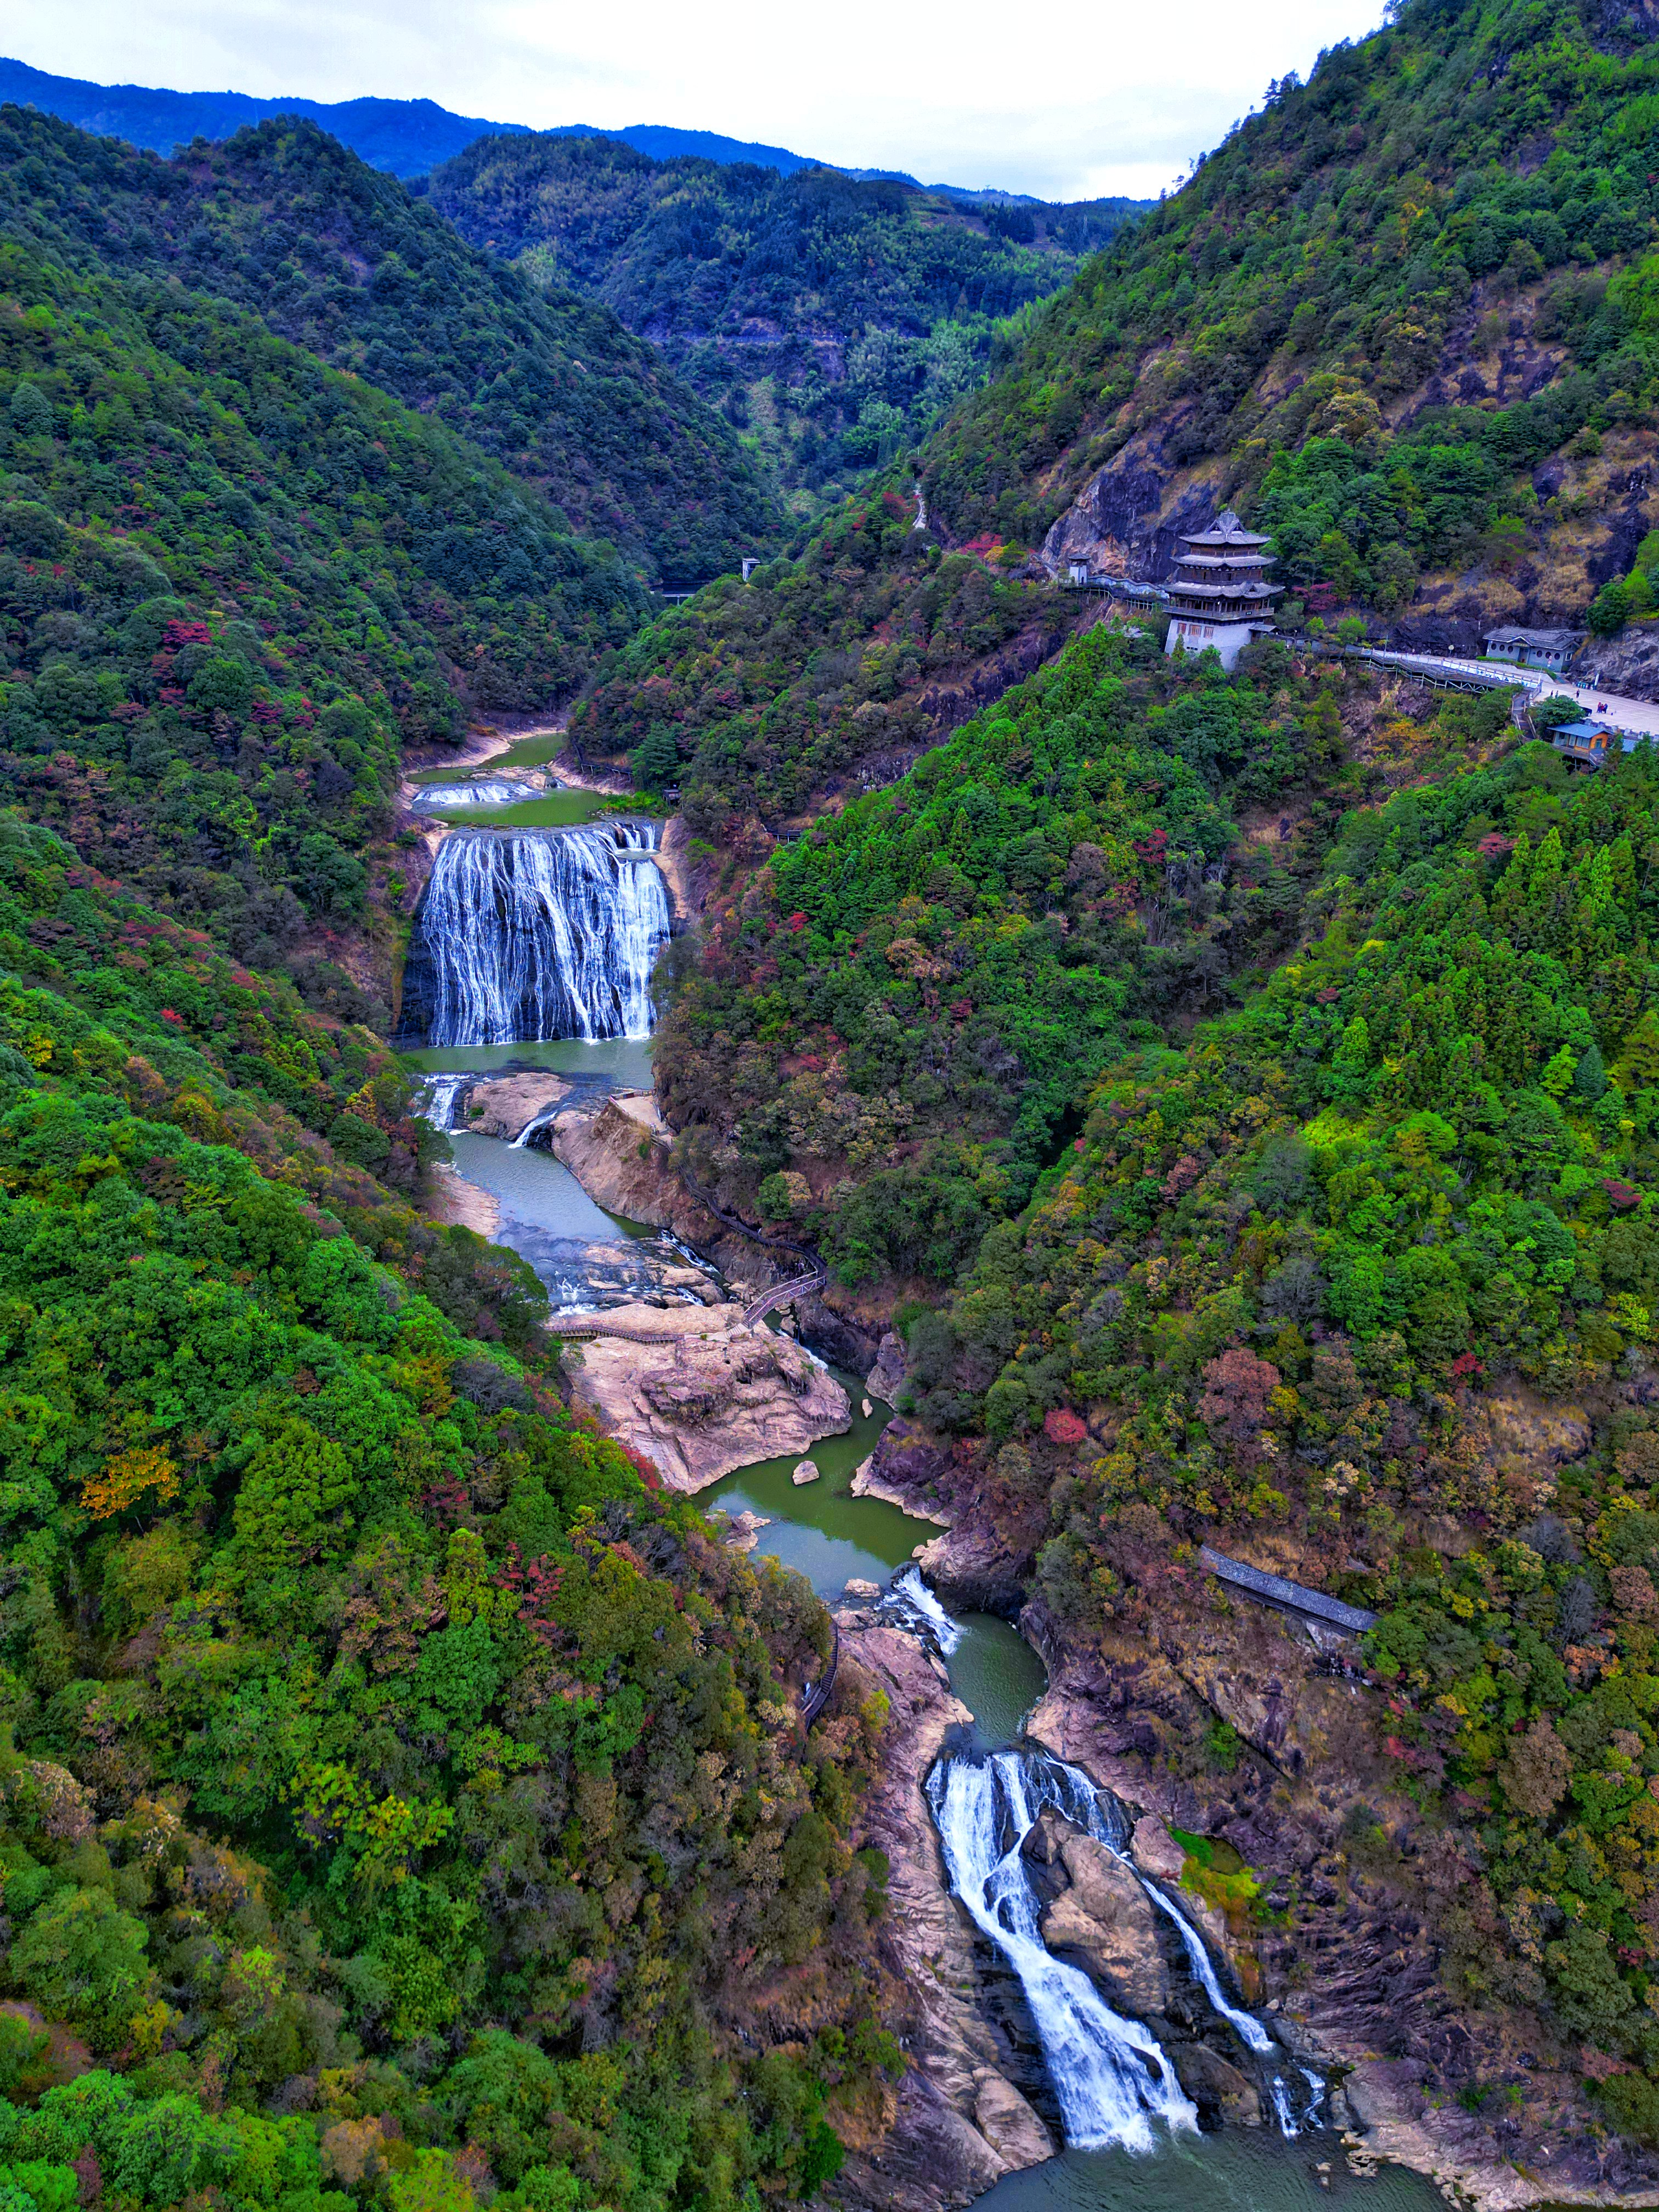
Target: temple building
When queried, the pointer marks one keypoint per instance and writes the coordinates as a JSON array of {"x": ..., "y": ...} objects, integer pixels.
[{"x": 1217, "y": 594}]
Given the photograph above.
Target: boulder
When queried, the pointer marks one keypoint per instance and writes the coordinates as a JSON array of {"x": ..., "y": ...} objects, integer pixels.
[
  {"x": 1044, "y": 1837},
  {"x": 743, "y": 1534},
  {"x": 806, "y": 1471},
  {"x": 973, "y": 1571},
  {"x": 1215, "y": 2086},
  {"x": 1156, "y": 1852},
  {"x": 1106, "y": 1919},
  {"x": 887, "y": 1374},
  {"x": 865, "y": 1593},
  {"x": 505, "y": 1105},
  {"x": 1008, "y": 2123}
]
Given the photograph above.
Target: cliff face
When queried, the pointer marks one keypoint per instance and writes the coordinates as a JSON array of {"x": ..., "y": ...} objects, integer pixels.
[{"x": 1340, "y": 1955}]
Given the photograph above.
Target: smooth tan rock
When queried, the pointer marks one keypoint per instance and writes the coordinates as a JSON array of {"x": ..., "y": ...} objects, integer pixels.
[
  {"x": 505, "y": 1105},
  {"x": 806, "y": 1471},
  {"x": 858, "y": 1588},
  {"x": 1008, "y": 2123},
  {"x": 1156, "y": 1852},
  {"x": 699, "y": 1392},
  {"x": 459, "y": 1203}
]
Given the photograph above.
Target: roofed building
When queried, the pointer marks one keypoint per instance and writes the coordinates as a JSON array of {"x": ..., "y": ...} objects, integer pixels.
[
  {"x": 1219, "y": 594},
  {"x": 1534, "y": 648}
]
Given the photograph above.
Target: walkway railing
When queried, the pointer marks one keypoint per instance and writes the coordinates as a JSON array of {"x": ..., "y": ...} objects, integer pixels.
[
  {"x": 782, "y": 1293},
  {"x": 817, "y": 1694}
]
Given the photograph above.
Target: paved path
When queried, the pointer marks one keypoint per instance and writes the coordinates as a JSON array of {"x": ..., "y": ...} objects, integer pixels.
[{"x": 1639, "y": 717}]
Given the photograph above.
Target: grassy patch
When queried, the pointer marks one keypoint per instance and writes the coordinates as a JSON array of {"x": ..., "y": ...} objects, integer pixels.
[{"x": 1214, "y": 1871}]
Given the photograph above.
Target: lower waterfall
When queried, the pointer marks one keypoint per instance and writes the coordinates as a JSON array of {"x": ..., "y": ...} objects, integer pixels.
[
  {"x": 1110, "y": 2075},
  {"x": 525, "y": 935}
]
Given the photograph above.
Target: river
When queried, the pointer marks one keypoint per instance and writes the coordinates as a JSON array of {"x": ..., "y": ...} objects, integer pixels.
[{"x": 1120, "y": 2084}]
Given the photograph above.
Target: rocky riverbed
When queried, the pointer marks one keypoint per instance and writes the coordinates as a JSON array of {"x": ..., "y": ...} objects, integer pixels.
[{"x": 699, "y": 1396}]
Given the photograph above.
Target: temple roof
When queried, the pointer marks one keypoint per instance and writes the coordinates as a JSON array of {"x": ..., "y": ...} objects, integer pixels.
[
  {"x": 1207, "y": 591},
  {"x": 1226, "y": 529},
  {"x": 1223, "y": 561}
]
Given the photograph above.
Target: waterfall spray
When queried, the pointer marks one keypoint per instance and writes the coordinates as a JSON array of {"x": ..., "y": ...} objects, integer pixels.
[{"x": 526, "y": 935}]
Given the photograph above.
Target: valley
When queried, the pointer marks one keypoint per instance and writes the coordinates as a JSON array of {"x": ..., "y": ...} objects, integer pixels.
[{"x": 703, "y": 1153}]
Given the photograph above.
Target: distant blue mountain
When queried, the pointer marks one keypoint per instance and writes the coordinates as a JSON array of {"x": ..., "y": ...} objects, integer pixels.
[{"x": 406, "y": 136}]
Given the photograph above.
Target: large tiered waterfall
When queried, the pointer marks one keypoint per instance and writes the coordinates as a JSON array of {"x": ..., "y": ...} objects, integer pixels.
[
  {"x": 1110, "y": 2075},
  {"x": 525, "y": 935}
]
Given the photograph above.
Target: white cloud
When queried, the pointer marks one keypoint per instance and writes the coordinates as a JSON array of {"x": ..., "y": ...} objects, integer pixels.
[{"x": 1063, "y": 103}]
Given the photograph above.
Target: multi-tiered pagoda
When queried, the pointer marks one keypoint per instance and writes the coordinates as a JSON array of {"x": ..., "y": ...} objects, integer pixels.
[{"x": 1219, "y": 594}]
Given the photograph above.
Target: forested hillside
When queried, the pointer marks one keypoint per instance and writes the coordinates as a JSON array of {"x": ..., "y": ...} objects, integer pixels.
[
  {"x": 403, "y": 1788},
  {"x": 1401, "y": 319},
  {"x": 832, "y": 320},
  {"x": 282, "y": 220},
  {"x": 1264, "y": 1299},
  {"x": 234, "y": 581}
]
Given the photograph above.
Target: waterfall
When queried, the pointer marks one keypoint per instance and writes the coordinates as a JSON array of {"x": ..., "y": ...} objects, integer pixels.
[
  {"x": 525, "y": 1139},
  {"x": 525, "y": 935},
  {"x": 912, "y": 1595},
  {"x": 1110, "y": 2075},
  {"x": 488, "y": 790},
  {"x": 1247, "y": 2025},
  {"x": 437, "y": 1099}
]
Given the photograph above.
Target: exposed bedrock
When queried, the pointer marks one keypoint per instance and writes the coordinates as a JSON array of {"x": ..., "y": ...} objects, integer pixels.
[{"x": 699, "y": 1392}]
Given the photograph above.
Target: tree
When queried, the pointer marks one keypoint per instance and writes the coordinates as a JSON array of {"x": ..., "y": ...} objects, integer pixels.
[
  {"x": 81, "y": 1958},
  {"x": 1534, "y": 1771}
]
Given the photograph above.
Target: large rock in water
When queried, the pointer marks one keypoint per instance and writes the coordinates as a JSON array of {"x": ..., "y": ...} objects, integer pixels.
[
  {"x": 700, "y": 1392},
  {"x": 506, "y": 1105},
  {"x": 1105, "y": 1919}
]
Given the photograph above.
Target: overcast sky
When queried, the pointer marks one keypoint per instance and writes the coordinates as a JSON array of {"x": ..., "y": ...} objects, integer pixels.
[{"x": 1064, "y": 102}]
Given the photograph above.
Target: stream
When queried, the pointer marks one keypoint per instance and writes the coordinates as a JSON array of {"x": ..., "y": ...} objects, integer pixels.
[{"x": 524, "y": 932}]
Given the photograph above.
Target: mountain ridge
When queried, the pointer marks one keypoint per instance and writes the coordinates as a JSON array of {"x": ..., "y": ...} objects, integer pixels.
[{"x": 406, "y": 137}]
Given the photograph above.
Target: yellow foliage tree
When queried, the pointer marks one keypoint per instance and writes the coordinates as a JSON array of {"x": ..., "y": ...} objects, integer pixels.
[{"x": 126, "y": 1478}]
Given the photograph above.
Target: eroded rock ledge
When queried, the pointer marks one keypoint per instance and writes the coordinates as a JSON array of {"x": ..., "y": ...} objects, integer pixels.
[{"x": 698, "y": 1391}]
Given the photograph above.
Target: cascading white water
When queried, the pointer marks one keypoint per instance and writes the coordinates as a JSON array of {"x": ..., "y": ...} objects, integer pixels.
[
  {"x": 1247, "y": 2025},
  {"x": 438, "y": 1094},
  {"x": 486, "y": 791},
  {"x": 524, "y": 1141},
  {"x": 1110, "y": 2075},
  {"x": 532, "y": 934},
  {"x": 913, "y": 1595}
]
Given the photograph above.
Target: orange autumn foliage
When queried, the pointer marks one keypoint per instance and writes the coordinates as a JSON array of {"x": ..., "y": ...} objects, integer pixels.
[{"x": 126, "y": 1477}]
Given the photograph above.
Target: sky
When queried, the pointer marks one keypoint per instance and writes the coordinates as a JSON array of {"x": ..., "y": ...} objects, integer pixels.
[{"x": 1064, "y": 103}]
